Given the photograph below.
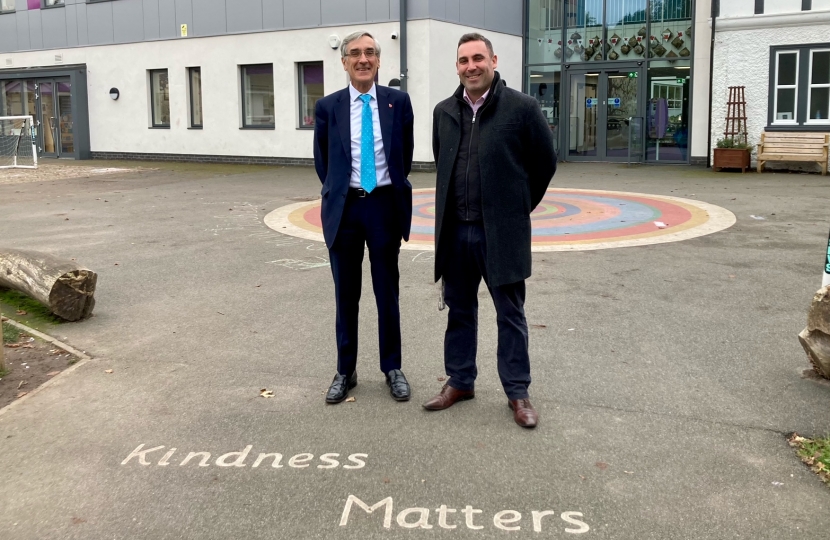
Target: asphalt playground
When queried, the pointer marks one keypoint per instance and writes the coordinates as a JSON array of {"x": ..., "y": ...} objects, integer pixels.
[{"x": 665, "y": 363}]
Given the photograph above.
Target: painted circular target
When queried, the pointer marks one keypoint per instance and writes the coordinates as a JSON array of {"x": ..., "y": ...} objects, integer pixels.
[{"x": 565, "y": 220}]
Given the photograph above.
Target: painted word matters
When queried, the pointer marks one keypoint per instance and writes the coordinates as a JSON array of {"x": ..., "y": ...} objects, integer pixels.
[
  {"x": 238, "y": 459},
  {"x": 448, "y": 518}
]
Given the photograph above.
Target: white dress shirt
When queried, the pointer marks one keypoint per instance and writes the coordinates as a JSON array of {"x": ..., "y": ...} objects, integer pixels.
[
  {"x": 477, "y": 105},
  {"x": 356, "y": 124}
]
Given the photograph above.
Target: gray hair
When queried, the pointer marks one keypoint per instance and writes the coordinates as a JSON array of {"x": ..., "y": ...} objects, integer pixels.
[{"x": 355, "y": 36}]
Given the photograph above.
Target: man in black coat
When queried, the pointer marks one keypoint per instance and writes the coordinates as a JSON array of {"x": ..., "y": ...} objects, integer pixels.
[{"x": 494, "y": 153}]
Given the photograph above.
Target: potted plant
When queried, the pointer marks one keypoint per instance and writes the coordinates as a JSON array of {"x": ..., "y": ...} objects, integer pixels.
[{"x": 732, "y": 154}]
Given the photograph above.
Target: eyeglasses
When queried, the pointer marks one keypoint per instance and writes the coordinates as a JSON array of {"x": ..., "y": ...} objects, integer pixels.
[{"x": 356, "y": 53}]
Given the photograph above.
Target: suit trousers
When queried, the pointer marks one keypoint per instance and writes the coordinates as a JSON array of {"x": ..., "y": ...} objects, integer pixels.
[
  {"x": 371, "y": 222},
  {"x": 463, "y": 271}
]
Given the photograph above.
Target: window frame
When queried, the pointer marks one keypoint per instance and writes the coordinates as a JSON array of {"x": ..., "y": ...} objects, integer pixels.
[
  {"x": 803, "y": 79},
  {"x": 807, "y": 120},
  {"x": 60, "y": 5},
  {"x": 10, "y": 10},
  {"x": 245, "y": 125},
  {"x": 776, "y": 121},
  {"x": 153, "y": 124},
  {"x": 301, "y": 89},
  {"x": 192, "y": 122}
]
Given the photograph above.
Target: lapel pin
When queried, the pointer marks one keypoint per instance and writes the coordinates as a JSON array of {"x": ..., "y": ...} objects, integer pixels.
[{"x": 390, "y": 105}]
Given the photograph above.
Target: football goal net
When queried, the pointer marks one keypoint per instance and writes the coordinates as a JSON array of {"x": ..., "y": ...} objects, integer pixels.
[{"x": 17, "y": 143}]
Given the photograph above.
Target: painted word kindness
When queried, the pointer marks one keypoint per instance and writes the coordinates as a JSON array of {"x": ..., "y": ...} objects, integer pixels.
[
  {"x": 142, "y": 456},
  {"x": 469, "y": 517}
]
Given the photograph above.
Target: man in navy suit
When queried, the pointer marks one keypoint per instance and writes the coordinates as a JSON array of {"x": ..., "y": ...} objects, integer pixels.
[{"x": 363, "y": 143}]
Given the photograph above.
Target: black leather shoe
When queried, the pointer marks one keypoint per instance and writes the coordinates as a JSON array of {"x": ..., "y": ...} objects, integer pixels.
[
  {"x": 340, "y": 386},
  {"x": 398, "y": 387}
]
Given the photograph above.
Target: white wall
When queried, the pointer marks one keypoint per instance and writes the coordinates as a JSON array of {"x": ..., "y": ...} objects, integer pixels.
[
  {"x": 122, "y": 126},
  {"x": 742, "y": 59},
  {"x": 746, "y": 8},
  {"x": 443, "y": 77},
  {"x": 700, "y": 93}
]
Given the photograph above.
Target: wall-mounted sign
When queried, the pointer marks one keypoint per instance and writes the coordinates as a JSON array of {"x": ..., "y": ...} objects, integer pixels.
[
  {"x": 615, "y": 102},
  {"x": 184, "y": 30},
  {"x": 591, "y": 102},
  {"x": 633, "y": 75}
]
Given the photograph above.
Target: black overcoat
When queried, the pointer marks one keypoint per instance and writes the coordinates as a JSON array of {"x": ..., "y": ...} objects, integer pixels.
[{"x": 517, "y": 162}]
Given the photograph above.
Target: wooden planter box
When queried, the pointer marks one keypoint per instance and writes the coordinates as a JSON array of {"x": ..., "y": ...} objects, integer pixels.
[{"x": 732, "y": 158}]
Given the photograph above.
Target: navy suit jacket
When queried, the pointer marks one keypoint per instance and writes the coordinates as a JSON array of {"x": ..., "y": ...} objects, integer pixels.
[{"x": 333, "y": 153}]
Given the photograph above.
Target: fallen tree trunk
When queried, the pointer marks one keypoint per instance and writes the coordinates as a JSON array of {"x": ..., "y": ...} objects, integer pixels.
[{"x": 62, "y": 286}]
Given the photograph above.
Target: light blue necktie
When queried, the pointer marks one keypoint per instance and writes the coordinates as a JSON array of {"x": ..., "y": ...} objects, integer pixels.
[{"x": 368, "y": 174}]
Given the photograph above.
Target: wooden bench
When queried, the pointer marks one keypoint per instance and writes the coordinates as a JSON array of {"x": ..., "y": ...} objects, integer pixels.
[{"x": 800, "y": 146}]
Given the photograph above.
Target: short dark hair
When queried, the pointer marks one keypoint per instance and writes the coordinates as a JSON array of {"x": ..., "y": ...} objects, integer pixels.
[{"x": 475, "y": 36}]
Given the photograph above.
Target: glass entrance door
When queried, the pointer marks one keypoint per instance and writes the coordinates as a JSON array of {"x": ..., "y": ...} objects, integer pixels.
[
  {"x": 54, "y": 117},
  {"x": 64, "y": 122},
  {"x": 46, "y": 118},
  {"x": 602, "y": 104}
]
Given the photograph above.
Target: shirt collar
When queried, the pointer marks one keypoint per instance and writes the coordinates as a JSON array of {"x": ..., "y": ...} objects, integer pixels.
[
  {"x": 480, "y": 100},
  {"x": 354, "y": 93}
]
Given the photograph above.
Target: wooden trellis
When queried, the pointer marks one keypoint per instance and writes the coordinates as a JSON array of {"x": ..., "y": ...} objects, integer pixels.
[{"x": 736, "y": 115}]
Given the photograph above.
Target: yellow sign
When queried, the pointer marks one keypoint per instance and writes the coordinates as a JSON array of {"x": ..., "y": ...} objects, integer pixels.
[{"x": 184, "y": 30}]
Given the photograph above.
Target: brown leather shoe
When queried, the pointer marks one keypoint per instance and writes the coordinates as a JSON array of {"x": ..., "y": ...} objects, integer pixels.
[
  {"x": 523, "y": 413},
  {"x": 447, "y": 397}
]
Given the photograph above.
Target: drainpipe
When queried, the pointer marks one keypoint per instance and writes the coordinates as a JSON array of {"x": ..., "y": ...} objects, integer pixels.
[
  {"x": 404, "y": 68},
  {"x": 715, "y": 6}
]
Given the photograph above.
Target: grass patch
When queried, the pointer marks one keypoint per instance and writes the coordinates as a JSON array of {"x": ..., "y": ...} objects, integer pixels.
[
  {"x": 20, "y": 307},
  {"x": 10, "y": 333},
  {"x": 815, "y": 453}
]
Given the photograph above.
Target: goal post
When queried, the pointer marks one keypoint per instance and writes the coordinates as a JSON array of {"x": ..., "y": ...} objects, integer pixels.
[{"x": 17, "y": 143}]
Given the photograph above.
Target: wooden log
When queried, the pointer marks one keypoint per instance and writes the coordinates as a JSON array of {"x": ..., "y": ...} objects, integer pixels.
[{"x": 61, "y": 285}]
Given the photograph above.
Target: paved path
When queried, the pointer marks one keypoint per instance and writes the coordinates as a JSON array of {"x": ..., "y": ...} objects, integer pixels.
[{"x": 666, "y": 376}]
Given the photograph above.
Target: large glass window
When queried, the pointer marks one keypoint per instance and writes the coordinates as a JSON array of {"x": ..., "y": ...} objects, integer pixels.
[
  {"x": 544, "y": 32},
  {"x": 159, "y": 98},
  {"x": 819, "y": 95},
  {"x": 12, "y": 98},
  {"x": 580, "y": 42},
  {"x": 194, "y": 76},
  {"x": 258, "y": 96},
  {"x": 799, "y": 88},
  {"x": 626, "y": 38},
  {"x": 583, "y": 30},
  {"x": 786, "y": 88},
  {"x": 52, "y": 3},
  {"x": 311, "y": 90},
  {"x": 6, "y": 5},
  {"x": 667, "y": 112},
  {"x": 544, "y": 84},
  {"x": 671, "y": 29}
]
